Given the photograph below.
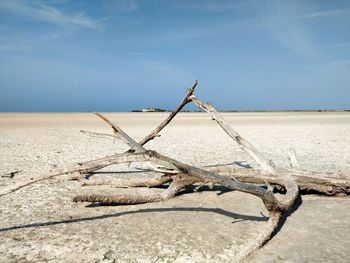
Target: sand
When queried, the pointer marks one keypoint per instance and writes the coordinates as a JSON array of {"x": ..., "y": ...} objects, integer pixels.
[{"x": 40, "y": 223}]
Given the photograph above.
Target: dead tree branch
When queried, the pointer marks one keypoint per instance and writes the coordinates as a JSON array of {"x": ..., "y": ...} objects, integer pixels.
[
  {"x": 120, "y": 183},
  {"x": 139, "y": 197},
  {"x": 76, "y": 168},
  {"x": 271, "y": 203},
  {"x": 181, "y": 175},
  {"x": 293, "y": 158},
  {"x": 308, "y": 182},
  {"x": 156, "y": 131},
  {"x": 265, "y": 164},
  {"x": 122, "y": 135}
]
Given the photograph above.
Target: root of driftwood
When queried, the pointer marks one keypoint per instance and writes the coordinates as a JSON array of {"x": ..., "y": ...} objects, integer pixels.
[
  {"x": 181, "y": 175},
  {"x": 261, "y": 239}
]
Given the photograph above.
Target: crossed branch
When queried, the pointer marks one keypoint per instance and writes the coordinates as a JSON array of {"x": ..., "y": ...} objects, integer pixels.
[{"x": 181, "y": 175}]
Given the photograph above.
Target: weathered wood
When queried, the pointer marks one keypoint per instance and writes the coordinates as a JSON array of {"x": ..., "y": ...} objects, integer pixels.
[
  {"x": 140, "y": 197},
  {"x": 293, "y": 161},
  {"x": 122, "y": 135},
  {"x": 308, "y": 182},
  {"x": 182, "y": 175},
  {"x": 103, "y": 135},
  {"x": 271, "y": 203},
  {"x": 76, "y": 168},
  {"x": 194, "y": 174},
  {"x": 266, "y": 165},
  {"x": 268, "y": 198},
  {"x": 156, "y": 131},
  {"x": 260, "y": 239},
  {"x": 126, "y": 183}
]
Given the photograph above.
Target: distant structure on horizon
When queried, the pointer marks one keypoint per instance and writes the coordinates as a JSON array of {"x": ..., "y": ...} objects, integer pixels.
[{"x": 149, "y": 110}]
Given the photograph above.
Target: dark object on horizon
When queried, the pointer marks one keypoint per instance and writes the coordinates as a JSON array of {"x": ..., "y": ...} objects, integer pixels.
[{"x": 152, "y": 110}]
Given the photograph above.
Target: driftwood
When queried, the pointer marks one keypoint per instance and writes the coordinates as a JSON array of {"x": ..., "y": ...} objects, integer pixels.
[
  {"x": 293, "y": 158},
  {"x": 259, "y": 182},
  {"x": 266, "y": 165}
]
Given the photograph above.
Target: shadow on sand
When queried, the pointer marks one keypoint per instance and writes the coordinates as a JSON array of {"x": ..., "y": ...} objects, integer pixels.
[{"x": 237, "y": 217}]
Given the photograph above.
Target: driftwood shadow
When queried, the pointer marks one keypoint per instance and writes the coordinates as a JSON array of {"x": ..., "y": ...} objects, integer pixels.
[
  {"x": 242, "y": 164},
  {"x": 235, "y": 216},
  {"x": 285, "y": 215}
]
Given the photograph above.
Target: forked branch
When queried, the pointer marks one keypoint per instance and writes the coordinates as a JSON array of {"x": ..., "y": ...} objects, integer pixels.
[
  {"x": 184, "y": 101},
  {"x": 121, "y": 134},
  {"x": 270, "y": 201},
  {"x": 181, "y": 175}
]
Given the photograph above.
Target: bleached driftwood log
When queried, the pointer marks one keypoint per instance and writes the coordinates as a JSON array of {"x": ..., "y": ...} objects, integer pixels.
[{"x": 181, "y": 175}]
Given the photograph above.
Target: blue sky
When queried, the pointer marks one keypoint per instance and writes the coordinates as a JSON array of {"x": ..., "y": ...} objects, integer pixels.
[{"x": 119, "y": 55}]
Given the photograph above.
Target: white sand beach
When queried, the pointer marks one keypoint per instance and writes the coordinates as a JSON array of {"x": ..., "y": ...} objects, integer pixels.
[{"x": 40, "y": 223}]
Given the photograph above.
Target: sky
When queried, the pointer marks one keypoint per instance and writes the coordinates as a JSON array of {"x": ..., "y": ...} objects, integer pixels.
[{"x": 121, "y": 55}]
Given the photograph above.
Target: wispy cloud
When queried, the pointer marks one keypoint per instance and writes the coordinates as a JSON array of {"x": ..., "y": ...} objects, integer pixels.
[
  {"x": 342, "y": 45},
  {"x": 39, "y": 12},
  {"x": 140, "y": 54},
  {"x": 327, "y": 13},
  {"x": 123, "y": 5},
  {"x": 207, "y": 5},
  {"x": 341, "y": 64},
  {"x": 292, "y": 36},
  {"x": 290, "y": 31},
  {"x": 161, "y": 68},
  {"x": 210, "y": 29},
  {"x": 13, "y": 44}
]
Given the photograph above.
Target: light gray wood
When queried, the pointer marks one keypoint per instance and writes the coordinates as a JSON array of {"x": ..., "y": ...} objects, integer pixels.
[
  {"x": 122, "y": 135},
  {"x": 184, "y": 101},
  {"x": 264, "y": 163},
  {"x": 181, "y": 175},
  {"x": 293, "y": 161}
]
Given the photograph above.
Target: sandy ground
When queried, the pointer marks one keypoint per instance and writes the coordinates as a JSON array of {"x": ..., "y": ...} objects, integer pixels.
[{"x": 40, "y": 223}]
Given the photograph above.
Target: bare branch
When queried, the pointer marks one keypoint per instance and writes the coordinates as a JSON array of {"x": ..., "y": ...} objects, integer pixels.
[
  {"x": 264, "y": 163},
  {"x": 120, "y": 183},
  {"x": 270, "y": 201},
  {"x": 139, "y": 197},
  {"x": 102, "y": 135},
  {"x": 122, "y": 135},
  {"x": 155, "y": 132},
  {"x": 293, "y": 158},
  {"x": 77, "y": 168},
  {"x": 308, "y": 182},
  {"x": 182, "y": 175},
  {"x": 185, "y": 100},
  {"x": 261, "y": 239}
]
